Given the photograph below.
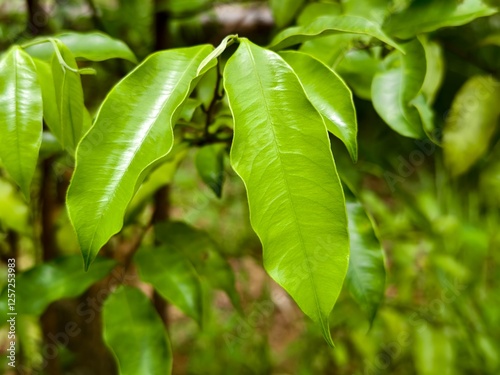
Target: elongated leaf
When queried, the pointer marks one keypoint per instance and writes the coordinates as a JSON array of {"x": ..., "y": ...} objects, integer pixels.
[
  {"x": 20, "y": 117},
  {"x": 127, "y": 137},
  {"x": 282, "y": 153},
  {"x": 210, "y": 61},
  {"x": 424, "y": 16},
  {"x": 329, "y": 95},
  {"x": 435, "y": 69},
  {"x": 284, "y": 11},
  {"x": 471, "y": 123},
  {"x": 69, "y": 100},
  {"x": 135, "y": 334},
  {"x": 173, "y": 276},
  {"x": 329, "y": 25},
  {"x": 94, "y": 46},
  {"x": 50, "y": 107},
  {"x": 60, "y": 278},
  {"x": 366, "y": 273},
  {"x": 394, "y": 89},
  {"x": 210, "y": 166},
  {"x": 203, "y": 253}
]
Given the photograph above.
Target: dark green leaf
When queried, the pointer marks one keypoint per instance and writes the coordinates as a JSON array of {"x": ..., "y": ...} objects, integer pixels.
[{"x": 210, "y": 166}]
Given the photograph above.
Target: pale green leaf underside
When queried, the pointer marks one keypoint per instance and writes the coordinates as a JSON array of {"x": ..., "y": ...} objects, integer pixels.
[
  {"x": 329, "y": 95},
  {"x": 60, "y": 278},
  {"x": 128, "y": 136},
  {"x": 366, "y": 273},
  {"x": 21, "y": 114},
  {"x": 173, "y": 276},
  {"x": 329, "y": 25},
  {"x": 135, "y": 334},
  {"x": 282, "y": 153},
  {"x": 94, "y": 46}
]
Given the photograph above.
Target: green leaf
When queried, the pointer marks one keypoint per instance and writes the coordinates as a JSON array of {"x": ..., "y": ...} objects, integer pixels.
[
  {"x": 314, "y": 10},
  {"x": 284, "y": 11},
  {"x": 211, "y": 60},
  {"x": 435, "y": 69},
  {"x": 15, "y": 212},
  {"x": 282, "y": 153},
  {"x": 50, "y": 107},
  {"x": 135, "y": 334},
  {"x": 366, "y": 273},
  {"x": 493, "y": 39},
  {"x": 433, "y": 351},
  {"x": 329, "y": 95},
  {"x": 94, "y": 46},
  {"x": 20, "y": 117},
  {"x": 128, "y": 136},
  {"x": 471, "y": 123},
  {"x": 394, "y": 88},
  {"x": 69, "y": 101},
  {"x": 203, "y": 253},
  {"x": 60, "y": 278},
  {"x": 424, "y": 16},
  {"x": 329, "y": 25},
  {"x": 173, "y": 276},
  {"x": 210, "y": 166}
]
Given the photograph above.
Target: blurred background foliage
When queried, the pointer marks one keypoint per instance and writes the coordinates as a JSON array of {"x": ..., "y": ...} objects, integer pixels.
[{"x": 439, "y": 227}]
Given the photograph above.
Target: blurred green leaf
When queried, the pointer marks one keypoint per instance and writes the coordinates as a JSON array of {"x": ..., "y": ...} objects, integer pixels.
[
  {"x": 282, "y": 153},
  {"x": 210, "y": 166},
  {"x": 94, "y": 46},
  {"x": 14, "y": 213},
  {"x": 203, "y": 253},
  {"x": 329, "y": 95},
  {"x": 433, "y": 351},
  {"x": 471, "y": 123},
  {"x": 127, "y": 138},
  {"x": 284, "y": 11},
  {"x": 135, "y": 334},
  {"x": 329, "y": 25},
  {"x": 60, "y": 278},
  {"x": 424, "y": 16},
  {"x": 397, "y": 85},
  {"x": 435, "y": 69},
  {"x": 20, "y": 117},
  {"x": 366, "y": 274},
  {"x": 314, "y": 10},
  {"x": 173, "y": 276}
]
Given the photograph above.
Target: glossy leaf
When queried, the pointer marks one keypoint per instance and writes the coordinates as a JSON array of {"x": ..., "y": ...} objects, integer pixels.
[
  {"x": 424, "y": 16},
  {"x": 173, "y": 276},
  {"x": 210, "y": 61},
  {"x": 135, "y": 334},
  {"x": 210, "y": 166},
  {"x": 284, "y": 11},
  {"x": 69, "y": 101},
  {"x": 471, "y": 123},
  {"x": 202, "y": 252},
  {"x": 329, "y": 95},
  {"x": 282, "y": 153},
  {"x": 60, "y": 278},
  {"x": 394, "y": 88},
  {"x": 366, "y": 273},
  {"x": 20, "y": 117},
  {"x": 127, "y": 138},
  {"x": 94, "y": 46},
  {"x": 329, "y": 25}
]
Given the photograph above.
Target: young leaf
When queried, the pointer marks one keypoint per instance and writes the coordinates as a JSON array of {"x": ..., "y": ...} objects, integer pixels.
[
  {"x": 60, "y": 278},
  {"x": 285, "y": 10},
  {"x": 94, "y": 46},
  {"x": 366, "y": 273},
  {"x": 435, "y": 69},
  {"x": 424, "y": 16},
  {"x": 329, "y": 95},
  {"x": 329, "y": 25},
  {"x": 471, "y": 123},
  {"x": 203, "y": 253},
  {"x": 394, "y": 89},
  {"x": 20, "y": 117},
  {"x": 282, "y": 153},
  {"x": 173, "y": 276},
  {"x": 135, "y": 334},
  {"x": 210, "y": 166},
  {"x": 69, "y": 100},
  {"x": 128, "y": 136}
]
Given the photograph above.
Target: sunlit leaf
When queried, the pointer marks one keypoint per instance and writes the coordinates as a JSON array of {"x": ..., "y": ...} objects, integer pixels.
[
  {"x": 128, "y": 136},
  {"x": 282, "y": 153},
  {"x": 135, "y": 334},
  {"x": 329, "y": 95},
  {"x": 471, "y": 123},
  {"x": 20, "y": 117}
]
